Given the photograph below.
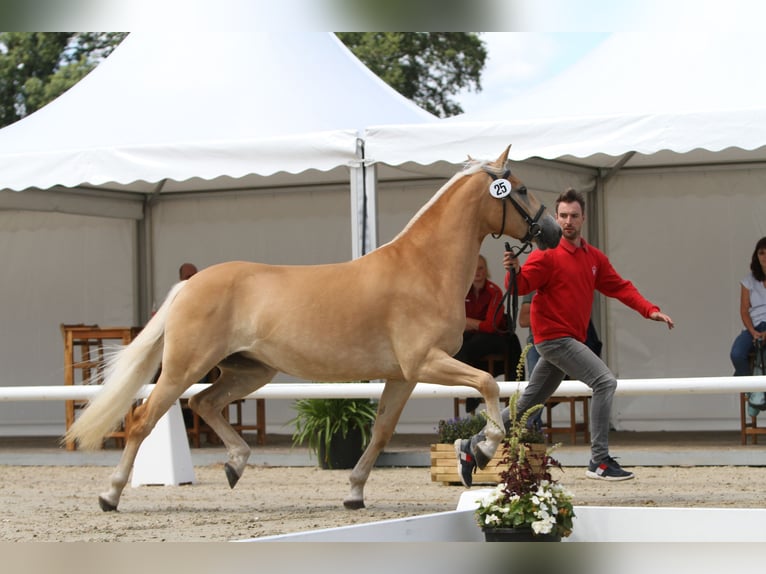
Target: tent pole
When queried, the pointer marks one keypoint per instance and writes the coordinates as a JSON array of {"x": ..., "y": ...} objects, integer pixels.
[
  {"x": 364, "y": 205},
  {"x": 145, "y": 258},
  {"x": 371, "y": 207},
  {"x": 143, "y": 266}
]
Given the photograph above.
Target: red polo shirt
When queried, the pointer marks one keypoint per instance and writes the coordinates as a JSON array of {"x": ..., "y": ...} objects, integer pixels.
[
  {"x": 565, "y": 279},
  {"x": 483, "y": 305}
]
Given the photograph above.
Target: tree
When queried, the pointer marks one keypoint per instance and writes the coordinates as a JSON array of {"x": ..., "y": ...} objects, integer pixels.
[
  {"x": 426, "y": 67},
  {"x": 37, "y": 67}
]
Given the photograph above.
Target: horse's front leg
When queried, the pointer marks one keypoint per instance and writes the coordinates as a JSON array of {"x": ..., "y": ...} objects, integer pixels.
[
  {"x": 392, "y": 401},
  {"x": 446, "y": 370}
]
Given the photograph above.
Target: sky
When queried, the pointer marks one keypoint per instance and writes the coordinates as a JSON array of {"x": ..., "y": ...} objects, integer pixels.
[{"x": 516, "y": 61}]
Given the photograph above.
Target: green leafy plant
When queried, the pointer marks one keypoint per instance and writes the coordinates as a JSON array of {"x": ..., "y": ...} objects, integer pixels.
[
  {"x": 462, "y": 427},
  {"x": 527, "y": 495},
  {"x": 319, "y": 420}
]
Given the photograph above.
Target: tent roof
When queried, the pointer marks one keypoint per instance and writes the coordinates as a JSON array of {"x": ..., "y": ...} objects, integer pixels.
[
  {"x": 204, "y": 111},
  {"x": 643, "y": 99}
]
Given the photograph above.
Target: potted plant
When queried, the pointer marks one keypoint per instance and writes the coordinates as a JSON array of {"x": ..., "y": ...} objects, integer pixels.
[
  {"x": 528, "y": 504},
  {"x": 335, "y": 430}
]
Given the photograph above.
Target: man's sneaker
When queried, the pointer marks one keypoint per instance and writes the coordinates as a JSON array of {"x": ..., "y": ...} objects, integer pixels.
[
  {"x": 607, "y": 469},
  {"x": 466, "y": 463}
]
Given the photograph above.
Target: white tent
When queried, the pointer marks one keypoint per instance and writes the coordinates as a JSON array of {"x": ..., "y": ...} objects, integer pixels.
[
  {"x": 179, "y": 147},
  {"x": 667, "y": 134}
]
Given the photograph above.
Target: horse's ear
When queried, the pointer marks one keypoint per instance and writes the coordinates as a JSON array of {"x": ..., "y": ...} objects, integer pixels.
[{"x": 500, "y": 162}]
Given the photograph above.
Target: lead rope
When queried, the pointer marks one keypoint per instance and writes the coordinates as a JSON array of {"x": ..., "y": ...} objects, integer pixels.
[{"x": 510, "y": 299}]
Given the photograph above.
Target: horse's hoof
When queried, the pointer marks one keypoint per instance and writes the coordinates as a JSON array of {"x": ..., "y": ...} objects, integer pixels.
[
  {"x": 231, "y": 475},
  {"x": 353, "y": 504},
  {"x": 105, "y": 505}
]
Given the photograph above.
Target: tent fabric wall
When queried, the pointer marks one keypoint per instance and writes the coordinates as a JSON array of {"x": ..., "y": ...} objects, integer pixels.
[
  {"x": 685, "y": 238},
  {"x": 57, "y": 268},
  {"x": 299, "y": 228}
]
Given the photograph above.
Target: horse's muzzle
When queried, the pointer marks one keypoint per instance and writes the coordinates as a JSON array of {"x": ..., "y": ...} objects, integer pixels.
[{"x": 550, "y": 233}]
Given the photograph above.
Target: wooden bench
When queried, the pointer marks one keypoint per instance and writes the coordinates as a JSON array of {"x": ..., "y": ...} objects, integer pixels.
[{"x": 574, "y": 426}]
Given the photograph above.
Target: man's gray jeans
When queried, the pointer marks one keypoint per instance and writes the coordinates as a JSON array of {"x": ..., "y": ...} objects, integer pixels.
[{"x": 558, "y": 358}]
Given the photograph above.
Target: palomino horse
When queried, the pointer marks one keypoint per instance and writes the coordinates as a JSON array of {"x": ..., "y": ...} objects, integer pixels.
[{"x": 403, "y": 323}]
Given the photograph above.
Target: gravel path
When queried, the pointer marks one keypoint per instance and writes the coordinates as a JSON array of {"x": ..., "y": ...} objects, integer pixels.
[{"x": 53, "y": 503}]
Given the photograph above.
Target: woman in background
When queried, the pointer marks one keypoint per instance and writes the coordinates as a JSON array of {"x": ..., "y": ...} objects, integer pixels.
[{"x": 752, "y": 310}]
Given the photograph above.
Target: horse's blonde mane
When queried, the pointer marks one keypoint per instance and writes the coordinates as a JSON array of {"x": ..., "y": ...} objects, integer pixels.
[{"x": 470, "y": 167}]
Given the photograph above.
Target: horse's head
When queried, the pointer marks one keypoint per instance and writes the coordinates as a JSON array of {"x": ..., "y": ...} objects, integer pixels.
[{"x": 519, "y": 213}]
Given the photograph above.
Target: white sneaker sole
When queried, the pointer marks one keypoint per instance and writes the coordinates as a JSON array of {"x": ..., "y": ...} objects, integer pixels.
[{"x": 591, "y": 474}]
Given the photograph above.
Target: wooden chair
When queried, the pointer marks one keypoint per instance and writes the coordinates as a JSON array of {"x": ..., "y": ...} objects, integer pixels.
[
  {"x": 491, "y": 360},
  {"x": 573, "y": 427},
  {"x": 751, "y": 428},
  {"x": 86, "y": 367}
]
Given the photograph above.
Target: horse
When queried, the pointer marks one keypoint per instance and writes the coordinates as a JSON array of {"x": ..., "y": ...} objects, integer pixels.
[{"x": 396, "y": 313}]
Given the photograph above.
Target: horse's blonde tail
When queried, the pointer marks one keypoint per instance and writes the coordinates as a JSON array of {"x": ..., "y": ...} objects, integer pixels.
[{"x": 126, "y": 372}]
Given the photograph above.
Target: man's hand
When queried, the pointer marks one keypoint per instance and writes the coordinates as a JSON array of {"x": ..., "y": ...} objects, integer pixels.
[
  {"x": 510, "y": 261},
  {"x": 658, "y": 316}
]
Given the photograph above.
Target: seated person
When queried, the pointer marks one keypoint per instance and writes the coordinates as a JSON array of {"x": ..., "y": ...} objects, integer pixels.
[
  {"x": 485, "y": 327},
  {"x": 752, "y": 311}
]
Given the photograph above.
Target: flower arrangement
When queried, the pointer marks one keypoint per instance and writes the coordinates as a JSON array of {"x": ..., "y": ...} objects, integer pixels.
[
  {"x": 527, "y": 497},
  {"x": 461, "y": 427}
]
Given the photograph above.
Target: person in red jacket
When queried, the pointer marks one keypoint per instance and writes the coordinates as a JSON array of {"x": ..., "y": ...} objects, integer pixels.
[
  {"x": 565, "y": 279},
  {"x": 485, "y": 326}
]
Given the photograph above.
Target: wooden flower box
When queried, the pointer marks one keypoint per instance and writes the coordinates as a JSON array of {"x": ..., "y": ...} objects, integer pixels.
[
  {"x": 444, "y": 467},
  {"x": 444, "y": 464}
]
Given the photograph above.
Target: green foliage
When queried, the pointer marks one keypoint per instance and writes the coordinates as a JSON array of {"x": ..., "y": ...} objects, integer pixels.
[
  {"x": 452, "y": 429},
  {"x": 318, "y": 420},
  {"x": 426, "y": 67},
  {"x": 37, "y": 67}
]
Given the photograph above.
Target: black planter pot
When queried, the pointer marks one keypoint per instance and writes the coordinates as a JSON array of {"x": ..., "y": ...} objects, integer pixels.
[
  {"x": 344, "y": 452},
  {"x": 517, "y": 535}
]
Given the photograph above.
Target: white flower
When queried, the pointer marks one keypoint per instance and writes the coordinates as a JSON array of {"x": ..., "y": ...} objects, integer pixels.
[
  {"x": 542, "y": 526},
  {"x": 542, "y": 514}
]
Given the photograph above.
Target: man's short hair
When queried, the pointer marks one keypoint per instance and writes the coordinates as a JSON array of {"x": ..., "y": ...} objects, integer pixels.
[{"x": 570, "y": 195}]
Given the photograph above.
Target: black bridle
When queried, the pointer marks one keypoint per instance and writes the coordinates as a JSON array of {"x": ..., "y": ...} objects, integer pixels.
[
  {"x": 511, "y": 298},
  {"x": 533, "y": 226}
]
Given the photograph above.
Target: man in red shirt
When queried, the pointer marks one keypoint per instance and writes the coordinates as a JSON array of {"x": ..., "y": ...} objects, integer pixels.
[{"x": 564, "y": 279}]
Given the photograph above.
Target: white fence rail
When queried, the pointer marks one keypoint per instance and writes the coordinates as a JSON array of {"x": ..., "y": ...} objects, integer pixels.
[{"x": 373, "y": 390}]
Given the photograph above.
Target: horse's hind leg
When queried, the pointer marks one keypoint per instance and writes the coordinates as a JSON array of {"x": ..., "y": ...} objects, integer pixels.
[
  {"x": 239, "y": 377},
  {"x": 145, "y": 417},
  {"x": 392, "y": 401}
]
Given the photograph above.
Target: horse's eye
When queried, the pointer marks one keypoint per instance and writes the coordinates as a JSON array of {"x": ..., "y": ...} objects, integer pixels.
[{"x": 522, "y": 190}]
